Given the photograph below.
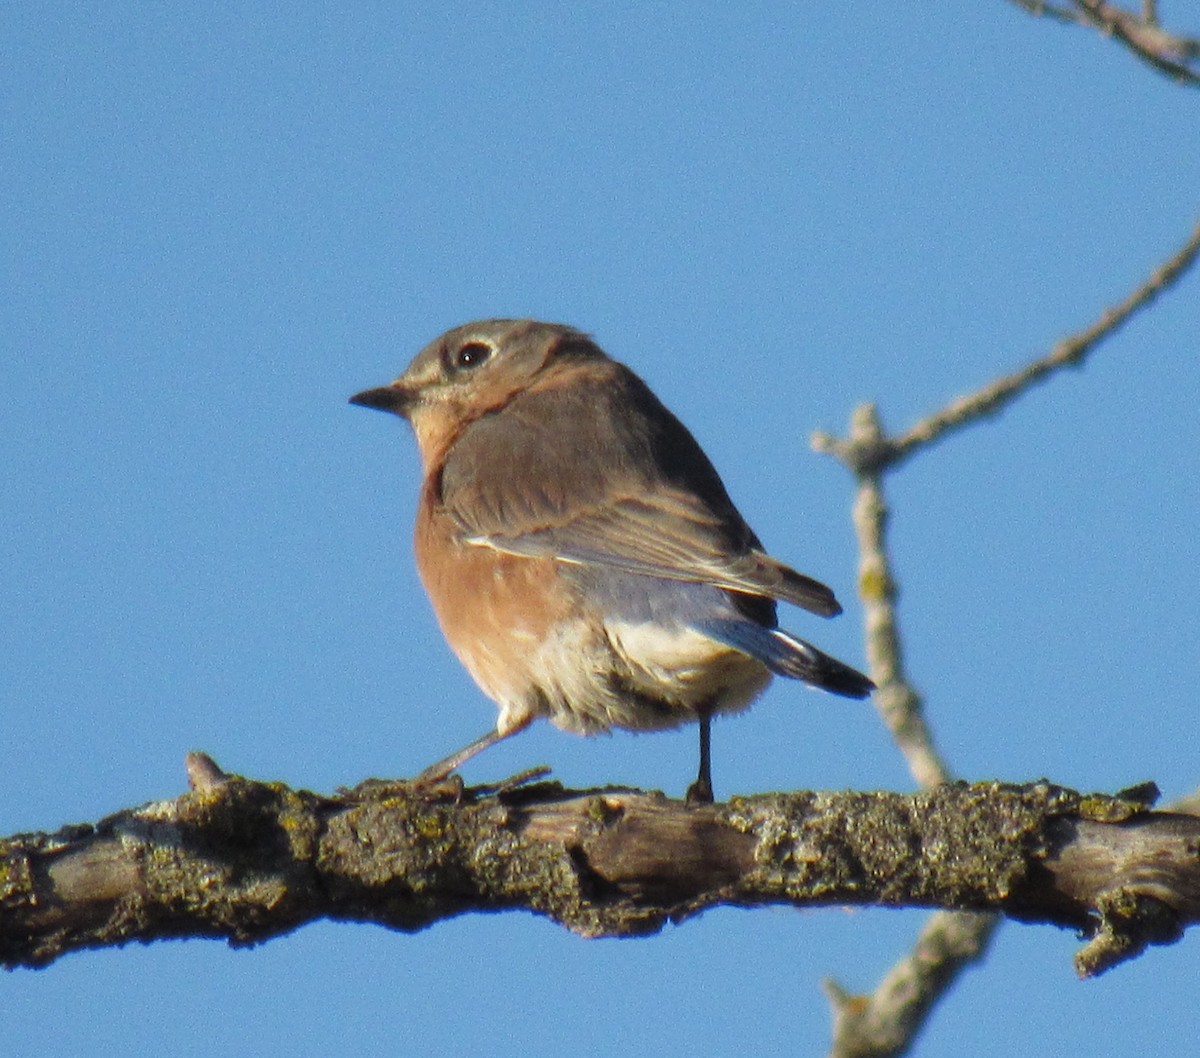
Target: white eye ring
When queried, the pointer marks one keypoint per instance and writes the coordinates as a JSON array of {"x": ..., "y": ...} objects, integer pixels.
[{"x": 472, "y": 354}]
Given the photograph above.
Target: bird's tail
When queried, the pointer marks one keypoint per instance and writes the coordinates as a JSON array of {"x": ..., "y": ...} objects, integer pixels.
[{"x": 787, "y": 655}]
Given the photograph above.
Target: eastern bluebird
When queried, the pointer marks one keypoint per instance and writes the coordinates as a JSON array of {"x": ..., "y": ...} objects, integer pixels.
[{"x": 583, "y": 557}]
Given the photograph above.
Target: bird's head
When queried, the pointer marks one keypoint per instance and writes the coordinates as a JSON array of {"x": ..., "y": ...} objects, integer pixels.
[{"x": 473, "y": 370}]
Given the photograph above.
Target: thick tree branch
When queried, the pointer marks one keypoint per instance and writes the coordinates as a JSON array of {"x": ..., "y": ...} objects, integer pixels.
[
  {"x": 883, "y": 1024},
  {"x": 247, "y": 861}
]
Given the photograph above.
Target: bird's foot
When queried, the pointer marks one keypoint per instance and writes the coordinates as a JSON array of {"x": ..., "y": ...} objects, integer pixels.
[{"x": 438, "y": 785}]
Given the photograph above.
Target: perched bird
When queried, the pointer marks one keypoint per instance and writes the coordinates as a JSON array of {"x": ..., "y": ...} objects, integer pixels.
[{"x": 583, "y": 557}]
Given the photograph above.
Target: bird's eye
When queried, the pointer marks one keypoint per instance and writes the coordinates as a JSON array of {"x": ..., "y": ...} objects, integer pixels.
[{"x": 471, "y": 355}]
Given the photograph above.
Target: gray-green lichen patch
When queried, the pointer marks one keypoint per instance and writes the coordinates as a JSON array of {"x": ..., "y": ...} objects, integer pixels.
[{"x": 959, "y": 845}]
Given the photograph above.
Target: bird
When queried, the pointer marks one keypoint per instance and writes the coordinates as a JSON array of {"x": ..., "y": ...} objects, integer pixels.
[{"x": 581, "y": 553}]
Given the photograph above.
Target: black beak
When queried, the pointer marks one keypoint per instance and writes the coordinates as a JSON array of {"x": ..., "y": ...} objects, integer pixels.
[{"x": 395, "y": 399}]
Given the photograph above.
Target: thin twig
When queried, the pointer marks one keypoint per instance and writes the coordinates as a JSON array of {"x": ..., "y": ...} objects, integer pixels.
[
  {"x": 1043, "y": 10},
  {"x": 1070, "y": 352},
  {"x": 897, "y": 699},
  {"x": 877, "y": 452},
  {"x": 1139, "y": 33},
  {"x": 885, "y": 1024},
  {"x": 1166, "y": 52}
]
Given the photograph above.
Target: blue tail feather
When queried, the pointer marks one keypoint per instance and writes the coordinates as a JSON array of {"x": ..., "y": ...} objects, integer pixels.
[{"x": 787, "y": 655}]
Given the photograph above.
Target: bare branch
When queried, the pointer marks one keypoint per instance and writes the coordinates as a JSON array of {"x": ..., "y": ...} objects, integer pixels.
[
  {"x": 1141, "y": 33},
  {"x": 882, "y": 452},
  {"x": 884, "y": 1024},
  {"x": 1050, "y": 11},
  {"x": 897, "y": 700},
  {"x": 247, "y": 861},
  {"x": 1166, "y": 52}
]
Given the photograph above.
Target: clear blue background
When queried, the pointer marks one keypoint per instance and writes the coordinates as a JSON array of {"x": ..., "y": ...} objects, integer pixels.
[{"x": 221, "y": 220}]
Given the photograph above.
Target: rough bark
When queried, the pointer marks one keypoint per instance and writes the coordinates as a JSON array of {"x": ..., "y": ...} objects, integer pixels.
[{"x": 247, "y": 861}]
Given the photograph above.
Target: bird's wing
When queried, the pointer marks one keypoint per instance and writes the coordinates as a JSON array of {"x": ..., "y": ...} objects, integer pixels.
[
  {"x": 665, "y": 534},
  {"x": 606, "y": 476}
]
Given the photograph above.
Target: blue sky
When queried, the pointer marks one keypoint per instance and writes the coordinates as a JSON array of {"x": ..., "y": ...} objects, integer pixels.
[{"x": 221, "y": 221}]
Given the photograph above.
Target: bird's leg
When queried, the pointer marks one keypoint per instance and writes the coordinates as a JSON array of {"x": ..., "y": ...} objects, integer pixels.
[
  {"x": 701, "y": 791},
  {"x": 439, "y": 780},
  {"x": 436, "y": 773}
]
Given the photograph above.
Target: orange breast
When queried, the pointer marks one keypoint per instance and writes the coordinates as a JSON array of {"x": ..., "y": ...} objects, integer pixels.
[{"x": 494, "y": 609}]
